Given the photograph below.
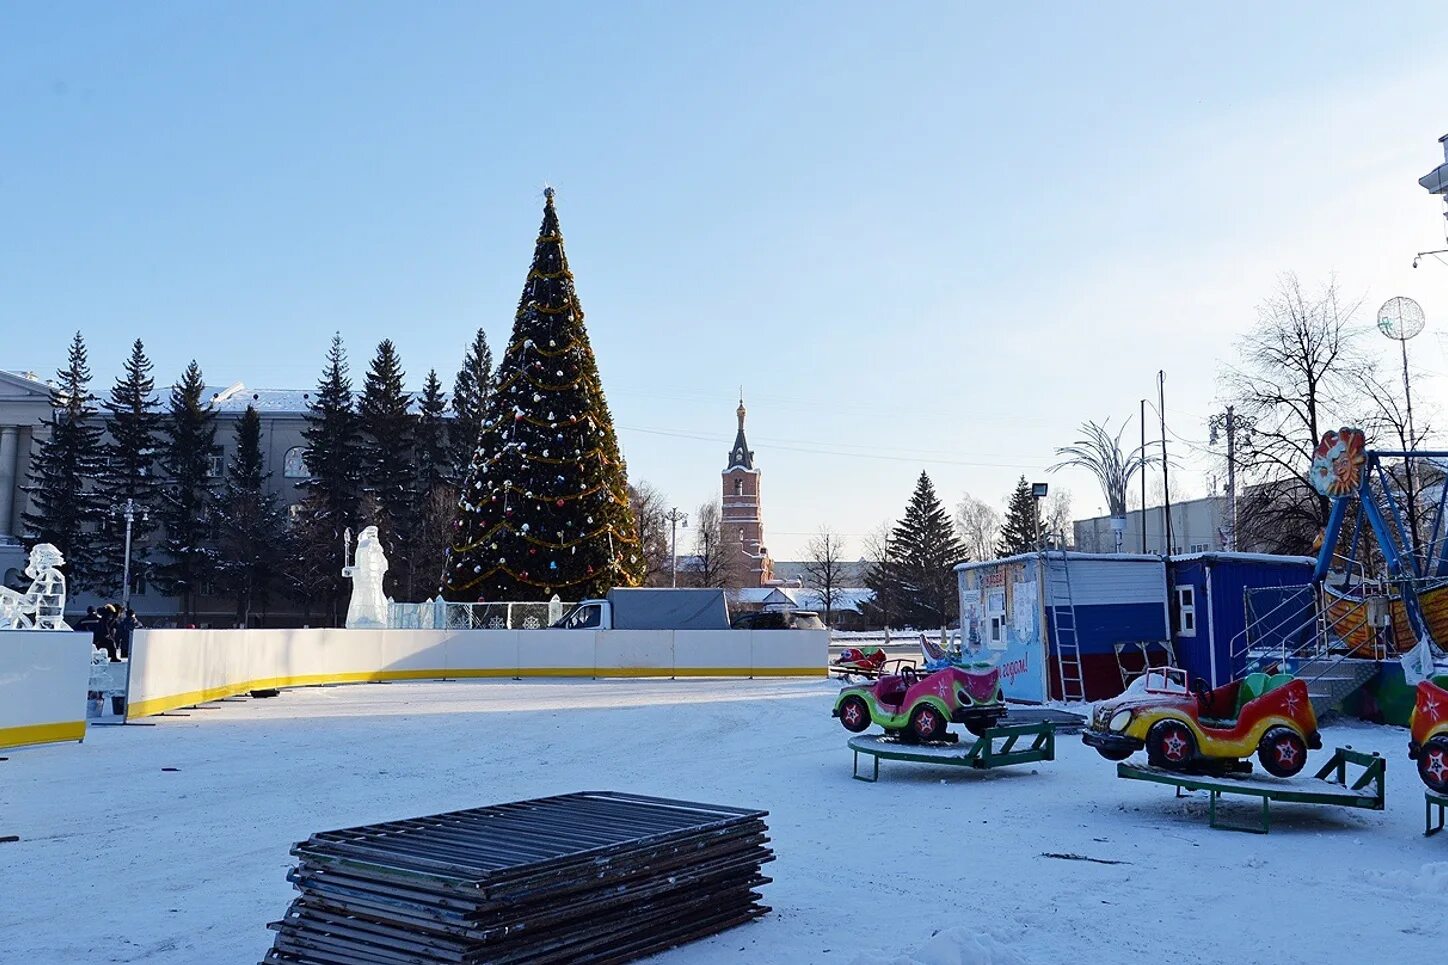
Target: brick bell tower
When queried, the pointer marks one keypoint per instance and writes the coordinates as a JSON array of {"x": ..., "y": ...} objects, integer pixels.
[{"x": 741, "y": 517}]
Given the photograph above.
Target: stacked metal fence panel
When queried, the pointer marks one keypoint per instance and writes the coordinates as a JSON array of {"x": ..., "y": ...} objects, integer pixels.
[{"x": 593, "y": 877}]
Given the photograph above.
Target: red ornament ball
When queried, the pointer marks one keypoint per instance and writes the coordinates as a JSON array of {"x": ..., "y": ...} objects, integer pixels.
[{"x": 559, "y": 503}]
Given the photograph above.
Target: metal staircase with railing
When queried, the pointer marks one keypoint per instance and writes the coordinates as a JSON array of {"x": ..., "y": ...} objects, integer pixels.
[
  {"x": 1063, "y": 624},
  {"x": 1301, "y": 634}
]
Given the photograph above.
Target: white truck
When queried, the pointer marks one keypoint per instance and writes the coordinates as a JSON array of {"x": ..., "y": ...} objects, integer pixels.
[{"x": 650, "y": 609}]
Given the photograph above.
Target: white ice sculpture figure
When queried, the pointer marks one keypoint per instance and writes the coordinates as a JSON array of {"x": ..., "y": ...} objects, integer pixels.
[
  {"x": 368, "y": 607},
  {"x": 42, "y": 606}
]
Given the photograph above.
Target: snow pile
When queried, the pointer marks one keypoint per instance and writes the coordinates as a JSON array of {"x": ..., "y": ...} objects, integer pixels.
[
  {"x": 1430, "y": 880},
  {"x": 954, "y": 946}
]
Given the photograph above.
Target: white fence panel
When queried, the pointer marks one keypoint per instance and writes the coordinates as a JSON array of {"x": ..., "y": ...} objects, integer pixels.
[
  {"x": 483, "y": 653},
  {"x": 556, "y": 653},
  {"x": 699, "y": 653},
  {"x": 789, "y": 653},
  {"x": 44, "y": 676},
  {"x": 634, "y": 653}
]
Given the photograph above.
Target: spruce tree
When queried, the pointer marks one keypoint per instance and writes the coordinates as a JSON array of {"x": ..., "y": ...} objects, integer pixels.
[
  {"x": 133, "y": 422},
  {"x": 187, "y": 502},
  {"x": 433, "y": 463},
  {"x": 927, "y": 548},
  {"x": 254, "y": 538},
  {"x": 1021, "y": 531},
  {"x": 472, "y": 389},
  {"x": 334, "y": 461},
  {"x": 64, "y": 507},
  {"x": 388, "y": 471},
  {"x": 916, "y": 585},
  {"x": 545, "y": 509},
  {"x": 435, "y": 490}
]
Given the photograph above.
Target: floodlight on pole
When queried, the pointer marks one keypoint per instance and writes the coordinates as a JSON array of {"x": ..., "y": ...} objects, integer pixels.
[{"x": 1038, "y": 493}]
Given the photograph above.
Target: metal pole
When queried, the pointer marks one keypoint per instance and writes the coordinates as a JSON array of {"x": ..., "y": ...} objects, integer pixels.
[
  {"x": 1231, "y": 481},
  {"x": 1165, "y": 477},
  {"x": 126, "y": 566},
  {"x": 1142, "y": 470},
  {"x": 676, "y": 519},
  {"x": 1412, "y": 442}
]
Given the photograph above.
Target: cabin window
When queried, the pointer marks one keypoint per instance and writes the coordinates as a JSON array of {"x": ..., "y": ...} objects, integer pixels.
[{"x": 1186, "y": 601}]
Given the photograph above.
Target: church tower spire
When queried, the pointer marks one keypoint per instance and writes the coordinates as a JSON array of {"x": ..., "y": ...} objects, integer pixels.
[
  {"x": 741, "y": 455},
  {"x": 741, "y": 512}
]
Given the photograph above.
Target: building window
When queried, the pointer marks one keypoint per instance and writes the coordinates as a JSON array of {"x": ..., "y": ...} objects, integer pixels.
[
  {"x": 215, "y": 465},
  {"x": 294, "y": 466},
  {"x": 1199, "y": 547},
  {"x": 1186, "y": 600},
  {"x": 739, "y": 487}
]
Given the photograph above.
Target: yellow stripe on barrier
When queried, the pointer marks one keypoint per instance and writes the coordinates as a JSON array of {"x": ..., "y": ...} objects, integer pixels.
[
  {"x": 159, "y": 705},
  {"x": 70, "y": 730}
]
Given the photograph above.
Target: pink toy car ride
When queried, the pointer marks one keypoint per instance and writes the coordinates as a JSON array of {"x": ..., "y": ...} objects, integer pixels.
[{"x": 921, "y": 706}]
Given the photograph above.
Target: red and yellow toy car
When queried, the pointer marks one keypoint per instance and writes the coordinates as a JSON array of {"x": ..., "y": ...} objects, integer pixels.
[
  {"x": 1201, "y": 729},
  {"x": 1428, "y": 736}
]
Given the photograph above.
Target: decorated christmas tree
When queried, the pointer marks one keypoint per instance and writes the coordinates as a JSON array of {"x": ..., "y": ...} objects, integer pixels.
[{"x": 545, "y": 507}]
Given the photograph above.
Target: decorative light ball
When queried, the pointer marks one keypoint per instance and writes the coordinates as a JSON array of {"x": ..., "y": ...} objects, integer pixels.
[{"x": 559, "y": 503}]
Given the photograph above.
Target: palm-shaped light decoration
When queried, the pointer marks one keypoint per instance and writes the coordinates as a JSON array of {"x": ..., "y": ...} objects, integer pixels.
[{"x": 1100, "y": 453}]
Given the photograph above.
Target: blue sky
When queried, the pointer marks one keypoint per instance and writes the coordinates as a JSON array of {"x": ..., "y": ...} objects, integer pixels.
[{"x": 927, "y": 236}]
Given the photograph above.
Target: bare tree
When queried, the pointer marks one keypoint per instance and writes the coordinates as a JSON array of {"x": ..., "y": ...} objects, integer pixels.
[
  {"x": 979, "y": 524},
  {"x": 824, "y": 568},
  {"x": 717, "y": 561},
  {"x": 1295, "y": 380},
  {"x": 1056, "y": 519},
  {"x": 1386, "y": 415},
  {"x": 879, "y": 573},
  {"x": 650, "y": 508}
]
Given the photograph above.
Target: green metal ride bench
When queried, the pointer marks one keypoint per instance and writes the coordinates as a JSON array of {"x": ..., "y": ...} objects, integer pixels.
[
  {"x": 1433, "y": 799},
  {"x": 995, "y": 748},
  {"x": 1329, "y": 786}
]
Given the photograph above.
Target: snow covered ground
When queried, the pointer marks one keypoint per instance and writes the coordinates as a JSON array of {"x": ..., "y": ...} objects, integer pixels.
[{"x": 168, "y": 843}]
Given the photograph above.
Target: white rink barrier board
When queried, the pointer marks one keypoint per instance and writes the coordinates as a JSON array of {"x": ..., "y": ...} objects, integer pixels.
[
  {"x": 182, "y": 668},
  {"x": 44, "y": 675}
]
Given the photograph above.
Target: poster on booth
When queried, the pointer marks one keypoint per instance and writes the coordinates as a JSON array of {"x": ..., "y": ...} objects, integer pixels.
[{"x": 1001, "y": 605}]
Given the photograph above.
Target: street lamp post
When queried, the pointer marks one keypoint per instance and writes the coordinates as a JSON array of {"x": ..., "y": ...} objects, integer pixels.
[
  {"x": 676, "y": 519},
  {"x": 129, "y": 511},
  {"x": 1231, "y": 423}
]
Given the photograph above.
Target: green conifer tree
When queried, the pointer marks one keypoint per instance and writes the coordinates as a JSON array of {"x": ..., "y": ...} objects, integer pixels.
[
  {"x": 333, "y": 455},
  {"x": 472, "y": 389},
  {"x": 133, "y": 422},
  {"x": 916, "y": 587},
  {"x": 187, "y": 501},
  {"x": 545, "y": 509},
  {"x": 1021, "y": 531},
  {"x": 254, "y": 537},
  {"x": 435, "y": 490},
  {"x": 65, "y": 508},
  {"x": 388, "y": 471}
]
